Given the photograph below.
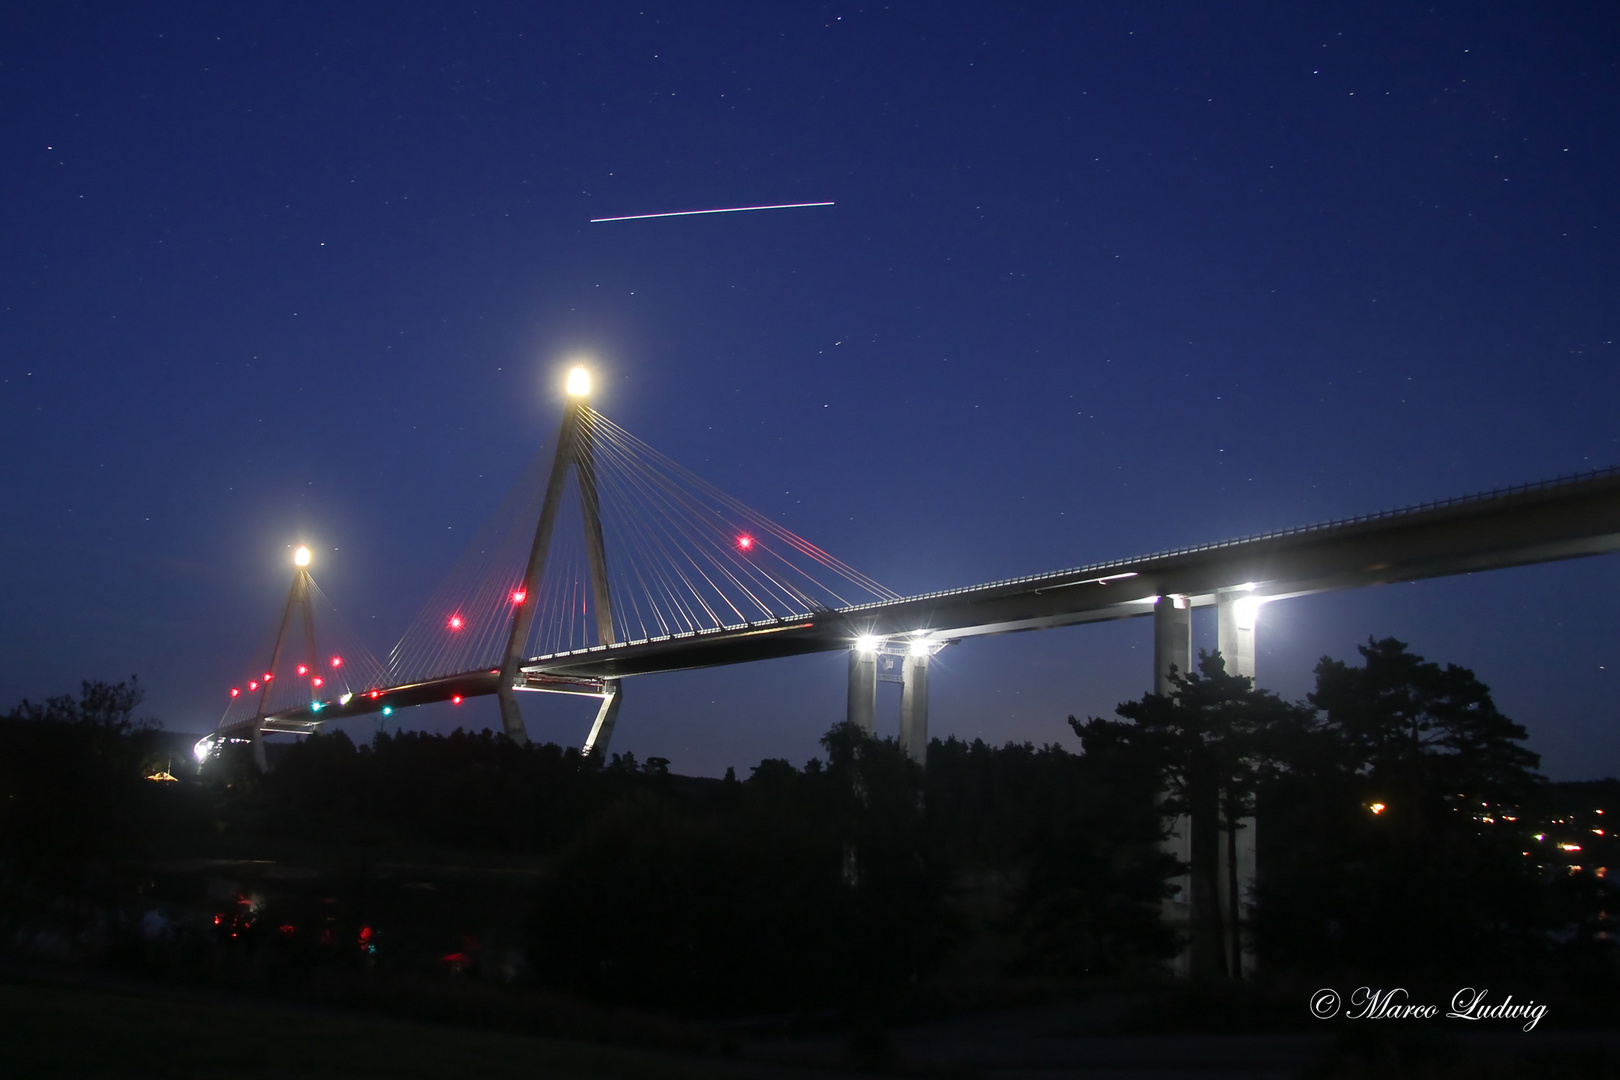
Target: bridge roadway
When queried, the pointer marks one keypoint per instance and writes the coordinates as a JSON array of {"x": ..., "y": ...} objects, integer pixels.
[{"x": 1560, "y": 519}]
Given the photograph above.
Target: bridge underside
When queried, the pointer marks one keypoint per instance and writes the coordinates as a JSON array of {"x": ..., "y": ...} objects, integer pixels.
[{"x": 1559, "y": 520}]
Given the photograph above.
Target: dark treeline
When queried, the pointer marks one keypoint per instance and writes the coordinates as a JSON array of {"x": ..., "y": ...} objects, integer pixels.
[
  {"x": 1401, "y": 828},
  {"x": 827, "y": 884}
]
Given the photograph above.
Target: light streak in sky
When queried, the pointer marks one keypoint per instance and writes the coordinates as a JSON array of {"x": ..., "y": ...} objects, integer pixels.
[{"x": 719, "y": 210}]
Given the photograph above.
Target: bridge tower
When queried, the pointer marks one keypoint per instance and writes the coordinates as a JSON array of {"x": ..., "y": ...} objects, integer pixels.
[
  {"x": 574, "y": 451},
  {"x": 297, "y": 599}
]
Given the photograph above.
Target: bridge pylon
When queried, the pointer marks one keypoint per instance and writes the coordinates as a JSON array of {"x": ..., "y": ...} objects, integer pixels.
[
  {"x": 575, "y": 450},
  {"x": 297, "y": 599}
]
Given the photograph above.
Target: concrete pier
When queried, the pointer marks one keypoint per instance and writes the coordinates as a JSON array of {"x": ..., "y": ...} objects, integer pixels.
[
  {"x": 863, "y": 689},
  {"x": 914, "y": 707},
  {"x": 1236, "y": 616},
  {"x": 1172, "y": 650},
  {"x": 1172, "y": 640}
]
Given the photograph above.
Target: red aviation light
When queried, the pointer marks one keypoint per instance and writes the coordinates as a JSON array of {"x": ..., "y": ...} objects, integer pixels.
[
  {"x": 745, "y": 542},
  {"x": 253, "y": 686},
  {"x": 456, "y": 622},
  {"x": 317, "y": 680},
  {"x": 455, "y": 699},
  {"x": 302, "y": 670},
  {"x": 519, "y": 595},
  {"x": 268, "y": 676},
  {"x": 235, "y": 692},
  {"x": 337, "y": 661},
  {"x": 374, "y": 695}
]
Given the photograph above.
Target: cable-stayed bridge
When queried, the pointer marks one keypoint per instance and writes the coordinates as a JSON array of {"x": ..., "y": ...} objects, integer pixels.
[{"x": 608, "y": 560}]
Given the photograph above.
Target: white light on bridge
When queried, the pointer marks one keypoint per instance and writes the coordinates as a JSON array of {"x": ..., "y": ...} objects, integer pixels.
[
  {"x": 301, "y": 556},
  {"x": 579, "y": 381},
  {"x": 867, "y": 644},
  {"x": 921, "y": 647},
  {"x": 1245, "y": 612}
]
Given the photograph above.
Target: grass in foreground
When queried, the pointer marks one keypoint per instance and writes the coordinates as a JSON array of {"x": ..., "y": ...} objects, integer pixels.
[{"x": 52, "y": 1031}]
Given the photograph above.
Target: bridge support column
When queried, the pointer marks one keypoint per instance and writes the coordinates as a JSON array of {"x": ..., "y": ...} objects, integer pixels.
[
  {"x": 1172, "y": 650},
  {"x": 1234, "y": 632},
  {"x": 863, "y": 690},
  {"x": 511, "y": 715},
  {"x": 1172, "y": 640},
  {"x": 1235, "y": 620},
  {"x": 914, "y": 707},
  {"x": 608, "y": 715}
]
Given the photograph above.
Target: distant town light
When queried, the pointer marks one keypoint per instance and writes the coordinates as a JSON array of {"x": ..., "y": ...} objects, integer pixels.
[{"x": 1377, "y": 808}]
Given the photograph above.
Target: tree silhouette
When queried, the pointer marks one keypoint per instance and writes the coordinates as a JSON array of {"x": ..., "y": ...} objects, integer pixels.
[
  {"x": 1398, "y": 835},
  {"x": 1213, "y": 740}
]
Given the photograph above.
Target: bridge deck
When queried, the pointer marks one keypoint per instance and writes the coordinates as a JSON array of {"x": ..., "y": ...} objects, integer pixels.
[{"x": 1560, "y": 519}]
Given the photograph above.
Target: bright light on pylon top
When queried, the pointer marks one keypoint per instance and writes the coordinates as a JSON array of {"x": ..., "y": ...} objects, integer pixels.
[
  {"x": 301, "y": 556},
  {"x": 579, "y": 381}
]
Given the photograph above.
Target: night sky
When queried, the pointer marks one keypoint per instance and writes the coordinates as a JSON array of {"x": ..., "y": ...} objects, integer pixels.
[{"x": 1099, "y": 280}]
